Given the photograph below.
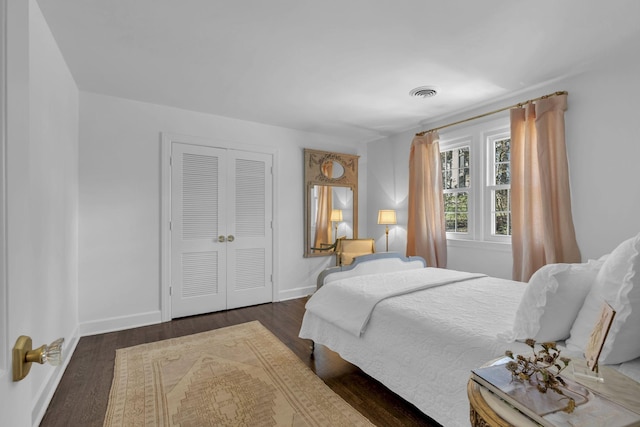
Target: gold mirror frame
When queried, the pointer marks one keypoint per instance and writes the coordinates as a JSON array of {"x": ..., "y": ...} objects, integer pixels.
[{"x": 315, "y": 175}]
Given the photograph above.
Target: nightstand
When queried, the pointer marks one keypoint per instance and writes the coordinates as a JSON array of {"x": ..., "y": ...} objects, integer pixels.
[
  {"x": 488, "y": 410},
  {"x": 481, "y": 414}
]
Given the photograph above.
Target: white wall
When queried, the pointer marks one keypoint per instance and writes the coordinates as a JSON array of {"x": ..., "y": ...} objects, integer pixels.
[
  {"x": 119, "y": 270},
  {"x": 388, "y": 186},
  {"x": 53, "y": 180},
  {"x": 603, "y": 147},
  {"x": 42, "y": 202},
  {"x": 604, "y": 152}
]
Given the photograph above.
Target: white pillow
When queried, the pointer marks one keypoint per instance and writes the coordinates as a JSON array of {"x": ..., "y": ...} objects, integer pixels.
[
  {"x": 552, "y": 300},
  {"x": 618, "y": 283}
]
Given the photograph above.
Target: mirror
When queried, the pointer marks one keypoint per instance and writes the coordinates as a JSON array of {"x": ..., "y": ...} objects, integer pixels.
[
  {"x": 331, "y": 200},
  {"x": 332, "y": 169}
]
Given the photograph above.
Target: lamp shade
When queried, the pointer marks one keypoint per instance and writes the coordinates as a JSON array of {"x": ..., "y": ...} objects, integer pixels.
[
  {"x": 336, "y": 215},
  {"x": 387, "y": 216}
]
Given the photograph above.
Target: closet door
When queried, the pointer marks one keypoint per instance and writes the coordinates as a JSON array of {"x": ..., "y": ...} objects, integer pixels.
[
  {"x": 198, "y": 229},
  {"x": 249, "y": 228}
]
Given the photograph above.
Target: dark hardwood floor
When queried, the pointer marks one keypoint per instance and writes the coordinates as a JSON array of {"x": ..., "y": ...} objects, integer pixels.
[{"x": 82, "y": 396}]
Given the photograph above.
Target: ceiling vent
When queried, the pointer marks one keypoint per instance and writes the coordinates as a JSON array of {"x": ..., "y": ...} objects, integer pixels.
[{"x": 424, "y": 92}]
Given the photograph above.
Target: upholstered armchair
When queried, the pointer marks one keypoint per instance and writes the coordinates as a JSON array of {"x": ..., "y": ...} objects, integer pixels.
[{"x": 348, "y": 249}]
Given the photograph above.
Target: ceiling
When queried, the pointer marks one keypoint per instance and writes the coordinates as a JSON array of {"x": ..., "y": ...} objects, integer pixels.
[{"x": 337, "y": 67}]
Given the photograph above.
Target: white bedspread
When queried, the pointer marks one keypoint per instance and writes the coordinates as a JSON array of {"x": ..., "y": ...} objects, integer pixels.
[
  {"x": 348, "y": 303},
  {"x": 423, "y": 345}
]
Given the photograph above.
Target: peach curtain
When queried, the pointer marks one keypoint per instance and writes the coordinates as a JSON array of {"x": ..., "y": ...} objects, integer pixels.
[
  {"x": 543, "y": 231},
  {"x": 426, "y": 235},
  {"x": 323, "y": 215}
]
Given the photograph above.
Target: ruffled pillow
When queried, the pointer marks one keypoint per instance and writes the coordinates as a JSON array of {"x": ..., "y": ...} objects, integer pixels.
[
  {"x": 618, "y": 283},
  {"x": 552, "y": 300}
]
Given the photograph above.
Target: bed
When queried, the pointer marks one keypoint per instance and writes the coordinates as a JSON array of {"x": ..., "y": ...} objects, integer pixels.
[{"x": 420, "y": 330}]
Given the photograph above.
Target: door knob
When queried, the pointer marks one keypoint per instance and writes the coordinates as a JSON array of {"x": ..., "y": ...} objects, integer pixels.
[
  {"x": 24, "y": 355},
  {"x": 221, "y": 239},
  {"x": 230, "y": 238}
]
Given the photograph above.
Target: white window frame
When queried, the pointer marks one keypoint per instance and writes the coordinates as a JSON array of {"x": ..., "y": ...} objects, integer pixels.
[
  {"x": 463, "y": 142},
  {"x": 479, "y": 137},
  {"x": 489, "y": 184}
]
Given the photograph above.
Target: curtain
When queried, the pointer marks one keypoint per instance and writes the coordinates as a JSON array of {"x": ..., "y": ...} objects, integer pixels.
[
  {"x": 323, "y": 215},
  {"x": 542, "y": 226},
  {"x": 426, "y": 236}
]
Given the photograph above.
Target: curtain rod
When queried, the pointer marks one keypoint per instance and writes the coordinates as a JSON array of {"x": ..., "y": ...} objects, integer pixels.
[{"x": 518, "y": 105}]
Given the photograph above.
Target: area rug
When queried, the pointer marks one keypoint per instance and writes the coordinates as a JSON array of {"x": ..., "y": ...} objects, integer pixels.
[{"x": 236, "y": 376}]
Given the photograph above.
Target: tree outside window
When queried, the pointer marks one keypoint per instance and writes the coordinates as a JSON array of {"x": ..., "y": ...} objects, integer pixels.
[
  {"x": 456, "y": 180},
  {"x": 476, "y": 182},
  {"x": 500, "y": 187}
]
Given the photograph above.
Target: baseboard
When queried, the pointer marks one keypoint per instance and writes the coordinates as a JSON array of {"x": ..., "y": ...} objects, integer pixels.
[
  {"x": 296, "y": 293},
  {"x": 120, "y": 323},
  {"x": 45, "y": 394}
]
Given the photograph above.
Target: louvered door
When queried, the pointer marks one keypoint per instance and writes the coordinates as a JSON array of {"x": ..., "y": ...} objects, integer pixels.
[
  {"x": 221, "y": 229},
  {"x": 198, "y": 258},
  {"x": 249, "y": 255}
]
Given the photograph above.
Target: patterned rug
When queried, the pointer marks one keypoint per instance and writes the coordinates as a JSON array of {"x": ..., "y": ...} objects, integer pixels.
[{"x": 236, "y": 376}]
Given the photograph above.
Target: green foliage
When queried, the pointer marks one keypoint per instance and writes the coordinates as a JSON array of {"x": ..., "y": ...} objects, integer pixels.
[
  {"x": 456, "y": 208},
  {"x": 456, "y": 179}
]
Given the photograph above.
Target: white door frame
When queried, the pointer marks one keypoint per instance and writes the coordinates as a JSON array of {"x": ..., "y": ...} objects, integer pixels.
[
  {"x": 18, "y": 398},
  {"x": 165, "y": 208},
  {"x": 4, "y": 306}
]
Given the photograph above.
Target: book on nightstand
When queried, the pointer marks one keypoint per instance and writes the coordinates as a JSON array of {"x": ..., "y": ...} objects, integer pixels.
[{"x": 546, "y": 408}]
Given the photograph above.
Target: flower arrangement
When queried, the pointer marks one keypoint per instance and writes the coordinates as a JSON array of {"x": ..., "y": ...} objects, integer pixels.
[{"x": 542, "y": 369}]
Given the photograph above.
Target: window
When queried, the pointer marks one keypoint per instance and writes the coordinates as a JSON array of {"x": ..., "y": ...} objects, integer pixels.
[
  {"x": 499, "y": 185},
  {"x": 476, "y": 182},
  {"x": 456, "y": 180}
]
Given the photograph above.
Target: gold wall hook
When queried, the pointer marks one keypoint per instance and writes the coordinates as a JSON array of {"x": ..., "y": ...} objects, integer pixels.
[{"x": 24, "y": 355}]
